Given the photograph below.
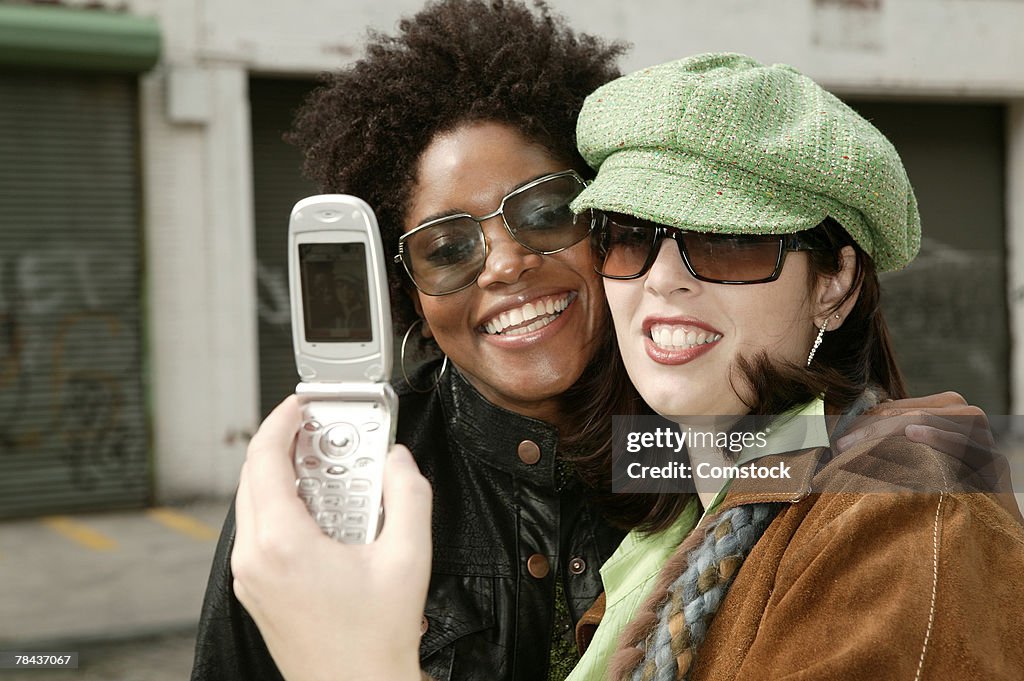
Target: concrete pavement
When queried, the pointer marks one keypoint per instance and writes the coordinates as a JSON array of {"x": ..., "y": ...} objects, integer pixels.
[{"x": 93, "y": 578}]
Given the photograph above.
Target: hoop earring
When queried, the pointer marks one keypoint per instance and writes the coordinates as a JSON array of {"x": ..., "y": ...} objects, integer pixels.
[
  {"x": 401, "y": 361},
  {"x": 819, "y": 338}
]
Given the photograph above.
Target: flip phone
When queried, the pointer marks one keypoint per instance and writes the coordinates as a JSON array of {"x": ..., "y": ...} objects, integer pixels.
[{"x": 341, "y": 332}]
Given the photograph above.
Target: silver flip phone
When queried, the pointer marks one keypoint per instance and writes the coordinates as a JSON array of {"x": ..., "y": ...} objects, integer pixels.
[{"x": 341, "y": 330}]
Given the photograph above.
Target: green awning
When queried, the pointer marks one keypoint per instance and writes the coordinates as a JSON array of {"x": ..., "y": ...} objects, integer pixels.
[{"x": 77, "y": 39}]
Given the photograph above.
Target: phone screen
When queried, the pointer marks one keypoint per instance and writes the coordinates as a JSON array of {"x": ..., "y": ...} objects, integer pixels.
[{"x": 335, "y": 292}]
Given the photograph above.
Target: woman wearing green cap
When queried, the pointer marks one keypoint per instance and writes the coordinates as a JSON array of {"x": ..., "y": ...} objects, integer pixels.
[
  {"x": 744, "y": 225},
  {"x": 364, "y": 604}
]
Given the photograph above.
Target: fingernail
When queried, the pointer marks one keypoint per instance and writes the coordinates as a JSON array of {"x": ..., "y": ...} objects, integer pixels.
[
  {"x": 401, "y": 455},
  {"x": 842, "y": 443},
  {"x": 913, "y": 431}
]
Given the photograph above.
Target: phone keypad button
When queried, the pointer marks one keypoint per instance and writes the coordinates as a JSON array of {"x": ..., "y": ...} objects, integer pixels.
[
  {"x": 354, "y": 518},
  {"x": 334, "y": 486},
  {"x": 364, "y": 462},
  {"x": 311, "y": 462},
  {"x": 352, "y": 535},
  {"x": 357, "y": 502},
  {"x": 359, "y": 485},
  {"x": 328, "y": 518},
  {"x": 332, "y": 501},
  {"x": 309, "y": 484},
  {"x": 336, "y": 470}
]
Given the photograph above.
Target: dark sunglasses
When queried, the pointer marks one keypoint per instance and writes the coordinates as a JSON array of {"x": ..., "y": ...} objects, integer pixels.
[
  {"x": 627, "y": 247},
  {"x": 446, "y": 255}
]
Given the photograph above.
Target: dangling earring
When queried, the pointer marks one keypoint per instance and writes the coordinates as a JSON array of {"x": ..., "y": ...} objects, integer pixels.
[
  {"x": 820, "y": 337},
  {"x": 401, "y": 361}
]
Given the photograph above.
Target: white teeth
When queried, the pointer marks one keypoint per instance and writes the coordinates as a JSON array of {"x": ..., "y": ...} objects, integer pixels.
[
  {"x": 544, "y": 311},
  {"x": 539, "y": 324},
  {"x": 679, "y": 338}
]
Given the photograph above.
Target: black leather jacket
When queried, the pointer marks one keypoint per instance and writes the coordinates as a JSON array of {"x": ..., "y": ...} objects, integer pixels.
[{"x": 497, "y": 520}]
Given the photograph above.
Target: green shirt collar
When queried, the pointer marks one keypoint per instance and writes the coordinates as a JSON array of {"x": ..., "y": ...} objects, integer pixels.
[
  {"x": 641, "y": 555},
  {"x": 799, "y": 428}
]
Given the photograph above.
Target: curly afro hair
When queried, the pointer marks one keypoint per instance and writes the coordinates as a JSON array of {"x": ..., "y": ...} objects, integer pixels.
[{"x": 455, "y": 62}]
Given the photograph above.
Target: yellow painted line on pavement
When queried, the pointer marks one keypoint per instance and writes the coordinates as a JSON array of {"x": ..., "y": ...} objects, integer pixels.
[
  {"x": 183, "y": 523},
  {"x": 80, "y": 533}
]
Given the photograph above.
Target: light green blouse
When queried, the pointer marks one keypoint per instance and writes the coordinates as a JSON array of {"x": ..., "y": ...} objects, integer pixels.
[
  {"x": 629, "y": 577},
  {"x": 631, "y": 572}
]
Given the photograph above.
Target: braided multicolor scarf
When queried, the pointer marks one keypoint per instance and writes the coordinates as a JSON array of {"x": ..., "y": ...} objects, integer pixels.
[{"x": 691, "y": 601}]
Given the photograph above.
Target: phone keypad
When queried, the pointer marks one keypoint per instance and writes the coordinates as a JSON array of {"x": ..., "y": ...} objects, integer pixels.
[{"x": 338, "y": 478}]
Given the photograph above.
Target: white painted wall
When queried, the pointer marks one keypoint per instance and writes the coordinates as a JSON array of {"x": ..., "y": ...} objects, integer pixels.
[
  {"x": 201, "y": 261},
  {"x": 198, "y": 191},
  {"x": 952, "y": 47}
]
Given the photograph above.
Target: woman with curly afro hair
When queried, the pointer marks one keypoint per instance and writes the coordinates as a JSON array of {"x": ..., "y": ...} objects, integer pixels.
[{"x": 469, "y": 108}]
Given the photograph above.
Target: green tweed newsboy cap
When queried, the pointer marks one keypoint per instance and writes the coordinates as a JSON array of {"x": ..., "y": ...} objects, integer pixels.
[{"x": 723, "y": 143}]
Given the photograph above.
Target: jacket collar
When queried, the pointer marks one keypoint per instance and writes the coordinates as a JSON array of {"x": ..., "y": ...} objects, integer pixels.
[
  {"x": 802, "y": 466},
  {"x": 494, "y": 435}
]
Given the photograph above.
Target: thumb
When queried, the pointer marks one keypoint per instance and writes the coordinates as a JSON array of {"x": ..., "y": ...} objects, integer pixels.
[{"x": 407, "y": 503}]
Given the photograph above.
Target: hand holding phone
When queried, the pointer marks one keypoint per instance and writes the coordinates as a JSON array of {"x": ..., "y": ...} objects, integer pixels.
[
  {"x": 341, "y": 331},
  {"x": 294, "y": 583}
]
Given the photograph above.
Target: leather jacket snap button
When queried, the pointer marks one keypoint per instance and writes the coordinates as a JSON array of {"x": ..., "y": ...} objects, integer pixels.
[
  {"x": 577, "y": 566},
  {"x": 529, "y": 452},
  {"x": 537, "y": 565}
]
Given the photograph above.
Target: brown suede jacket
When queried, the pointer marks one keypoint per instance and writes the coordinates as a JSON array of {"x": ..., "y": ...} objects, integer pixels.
[{"x": 884, "y": 564}]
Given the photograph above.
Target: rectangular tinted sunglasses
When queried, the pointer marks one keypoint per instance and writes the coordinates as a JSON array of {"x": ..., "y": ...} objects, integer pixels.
[
  {"x": 446, "y": 255},
  {"x": 627, "y": 247}
]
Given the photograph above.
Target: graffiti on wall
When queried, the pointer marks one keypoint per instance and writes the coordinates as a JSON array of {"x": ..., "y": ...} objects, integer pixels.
[{"x": 69, "y": 361}]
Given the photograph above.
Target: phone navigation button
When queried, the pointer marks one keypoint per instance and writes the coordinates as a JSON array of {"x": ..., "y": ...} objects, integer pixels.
[{"x": 339, "y": 440}]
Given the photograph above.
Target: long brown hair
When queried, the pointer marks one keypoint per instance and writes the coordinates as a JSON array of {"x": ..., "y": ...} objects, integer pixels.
[{"x": 854, "y": 357}]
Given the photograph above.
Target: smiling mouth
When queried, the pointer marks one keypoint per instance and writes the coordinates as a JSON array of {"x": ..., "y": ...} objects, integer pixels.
[
  {"x": 534, "y": 315},
  {"x": 679, "y": 337}
]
